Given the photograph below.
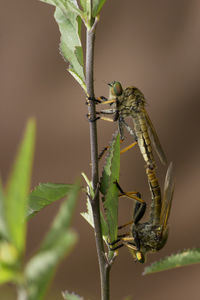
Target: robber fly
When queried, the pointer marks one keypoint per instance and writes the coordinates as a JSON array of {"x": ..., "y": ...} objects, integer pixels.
[
  {"x": 130, "y": 102},
  {"x": 149, "y": 236}
]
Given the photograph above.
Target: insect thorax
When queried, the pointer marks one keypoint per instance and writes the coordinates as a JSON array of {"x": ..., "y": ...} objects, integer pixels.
[
  {"x": 150, "y": 237},
  {"x": 131, "y": 102}
]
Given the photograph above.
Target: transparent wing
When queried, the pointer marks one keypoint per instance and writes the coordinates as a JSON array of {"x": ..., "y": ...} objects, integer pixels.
[
  {"x": 167, "y": 197},
  {"x": 155, "y": 141}
]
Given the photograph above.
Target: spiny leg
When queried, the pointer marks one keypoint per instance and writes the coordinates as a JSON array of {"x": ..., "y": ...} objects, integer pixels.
[
  {"x": 104, "y": 150},
  {"x": 128, "y": 147},
  {"x": 139, "y": 211},
  {"x": 125, "y": 225},
  {"x": 129, "y": 129},
  {"x": 122, "y": 237},
  {"x": 132, "y": 195},
  {"x": 100, "y": 100},
  {"x": 121, "y": 152}
]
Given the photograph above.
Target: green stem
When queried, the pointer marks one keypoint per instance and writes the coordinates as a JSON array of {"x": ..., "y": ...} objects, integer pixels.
[{"x": 103, "y": 264}]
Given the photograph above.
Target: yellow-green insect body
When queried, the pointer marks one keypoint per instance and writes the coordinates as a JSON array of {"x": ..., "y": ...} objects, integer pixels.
[{"x": 131, "y": 102}]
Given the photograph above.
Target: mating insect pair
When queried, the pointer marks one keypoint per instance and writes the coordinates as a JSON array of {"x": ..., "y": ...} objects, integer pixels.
[{"x": 151, "y": 235}]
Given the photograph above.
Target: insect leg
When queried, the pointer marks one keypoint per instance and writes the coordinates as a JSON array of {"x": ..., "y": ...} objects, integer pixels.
[
  {"x": 125, "y": 225},
  {"x": 100, "y": 100},
  {"x": 106, "y": 112},
  {"x": 90, "y": 119},
  {"x": 130, "y": 130},
  {"x": 136, "y": 238},
  {"x": 139, "y": 211},
  {"x": 104, "y": 150},
  {"x": 132, "y": 195},
  {"x": 96, "y": 100},
  {"x": 115, "y": 248},
  {"x": 128, "y": 147},
  {"x": 122, "y": 123},
  {"x": 115, "y": 242},
  {"x": 119, "y": 238}
]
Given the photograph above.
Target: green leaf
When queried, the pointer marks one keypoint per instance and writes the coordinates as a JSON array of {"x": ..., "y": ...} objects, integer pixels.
[
  {"x": 65, "y": 5},
  {"x": 7, "y": 274},
  {"x": 70, "y": 45},
  {"x": 90, "y": 189},
  {"x": 17, "y": 189},
  {"x": 44, "y": 194},
  {"x": 97, "y": 6},
  {"x": 88, "y": 216},
  {"x": 71, "y": 296},
  {"x": 58, "y": 243},
  {"x": 109, "y": 189},
  {"x": 68, "y": 17},
  {"x": 87, "y": 6},
  {"x": 186, "y": 257},
  {"x": 41, "y": 267}
]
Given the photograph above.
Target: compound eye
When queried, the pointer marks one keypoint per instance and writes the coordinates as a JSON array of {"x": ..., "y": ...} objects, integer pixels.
[
  {"x": 117, "y": 88},
  {"x": 140, "y": 257}
]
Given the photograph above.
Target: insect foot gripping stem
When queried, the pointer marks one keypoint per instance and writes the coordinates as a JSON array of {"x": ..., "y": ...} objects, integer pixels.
[
  {"x": 100, "y": 100},
  {"x": 90, "y": 119},
  {"x": 96, "y": 100}
]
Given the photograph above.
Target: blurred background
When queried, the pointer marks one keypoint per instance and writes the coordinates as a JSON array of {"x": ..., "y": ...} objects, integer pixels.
[{"x": 154, "y": 45}]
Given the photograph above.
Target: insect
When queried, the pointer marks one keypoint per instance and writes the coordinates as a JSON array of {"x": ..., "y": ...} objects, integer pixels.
[
  {"x": 130, "y": 102},
  {"x": 149, "y": 236}
]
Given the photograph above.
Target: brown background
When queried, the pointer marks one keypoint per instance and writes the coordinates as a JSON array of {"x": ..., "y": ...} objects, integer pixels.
[{"x": 151, "y": 44}]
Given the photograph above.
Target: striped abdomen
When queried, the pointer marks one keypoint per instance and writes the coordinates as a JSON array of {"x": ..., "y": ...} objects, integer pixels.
[
  {"x": 156, "y": 196},
  {"x": 143, "y": 139}
]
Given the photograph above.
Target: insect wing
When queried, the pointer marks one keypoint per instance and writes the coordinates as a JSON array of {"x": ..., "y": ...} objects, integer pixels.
[
  {"x": 155, "y": 140},
  {"x": 167, "y": 197}
]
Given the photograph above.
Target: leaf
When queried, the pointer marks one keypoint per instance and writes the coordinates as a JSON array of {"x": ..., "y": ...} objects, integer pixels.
[
  {"x": 87, "y": 12},
  {"x": 70, "y": 45},
  {"x": 59, "y": 242},
  {"x": 90, "y": 189},
  {"x": 65, "y": 5},
  {"x": 88, "y": 216},
  {"x": 97, "y": 6},
  {"x": 17, "y": 189},
  {"x": 109, "y": 189},
  {"x": 186, "y": 257},
  {"x": 44, "y": 194},
  {"x": 7, "y": 274},
  {"x": 71, "y": 296},
  {"x": 68, "y": 17},
  {"x": 85, "y": 4}
]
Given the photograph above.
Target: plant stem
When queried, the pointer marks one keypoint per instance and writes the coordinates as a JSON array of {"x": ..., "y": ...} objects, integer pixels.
[{"x": 103, "y": 263}]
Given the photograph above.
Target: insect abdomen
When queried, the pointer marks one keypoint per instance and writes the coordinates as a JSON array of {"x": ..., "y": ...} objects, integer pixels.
[
  {"x": 144, "y": 142},
  {"x": 156, "y": 195}
]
